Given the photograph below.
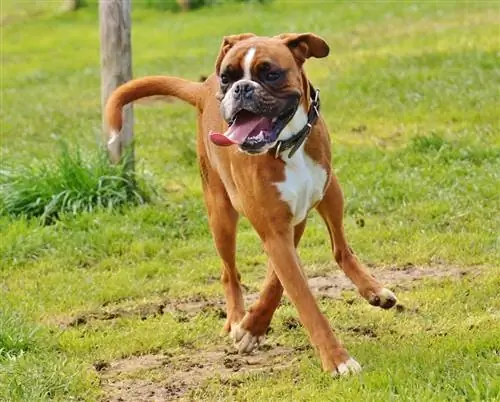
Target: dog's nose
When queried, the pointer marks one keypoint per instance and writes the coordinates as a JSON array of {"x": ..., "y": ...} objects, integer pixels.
[{"x": 244, "y": 89}]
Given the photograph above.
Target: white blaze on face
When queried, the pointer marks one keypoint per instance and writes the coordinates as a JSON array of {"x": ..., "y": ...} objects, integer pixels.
[
  {"x": 227, "y": 101},
  {"x": 247, "y": 64}
]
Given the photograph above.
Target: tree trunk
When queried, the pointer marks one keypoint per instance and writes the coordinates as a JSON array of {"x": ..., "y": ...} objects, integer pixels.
[{"x": 116, "y": 62}]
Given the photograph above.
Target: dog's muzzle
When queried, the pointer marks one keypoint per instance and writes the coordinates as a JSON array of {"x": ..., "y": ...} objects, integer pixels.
[
  {"x": 252, "y": 131},
  {"x": 255, "y": 117}
]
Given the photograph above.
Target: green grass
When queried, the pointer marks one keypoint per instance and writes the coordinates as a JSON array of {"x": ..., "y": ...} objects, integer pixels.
[
  {"x": 32, "y": 366},
  {"x": 72, "y": 185},
  {"x": 410, "y": 93},
  {"x": 16, "y": 337}
]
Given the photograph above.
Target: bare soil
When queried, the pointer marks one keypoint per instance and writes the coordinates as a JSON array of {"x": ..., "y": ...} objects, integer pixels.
[
  {"x": 332, "y": 286},
  {"x": 181, "y": 374},
  {"x": 183, "y": 307}
]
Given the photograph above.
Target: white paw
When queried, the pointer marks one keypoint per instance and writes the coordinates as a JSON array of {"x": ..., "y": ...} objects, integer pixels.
[
  {"x": 351, "y": 366},
  {"x": 387, "y": 298},
  {"x": 384, "y": 299},
  {"x": 243, "y": 340}
]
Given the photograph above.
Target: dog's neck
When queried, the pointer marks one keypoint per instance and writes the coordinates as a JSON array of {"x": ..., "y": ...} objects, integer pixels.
[
  {"x": 297, "y": 123},
  {"x": 295, "y": 134}
]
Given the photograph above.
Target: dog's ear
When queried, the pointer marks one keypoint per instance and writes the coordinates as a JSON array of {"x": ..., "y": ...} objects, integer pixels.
[
  {"x": 227, "y": 43},
  {"x": 305, "y": 45}
]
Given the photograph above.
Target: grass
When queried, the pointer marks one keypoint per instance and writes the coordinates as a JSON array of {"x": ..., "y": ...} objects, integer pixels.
[
  {"x": 410, "y": 95},
  {"x": 70, "y": 186},
  {"x": 32, "y": 366},
  {"x": 16, "y": 337}
]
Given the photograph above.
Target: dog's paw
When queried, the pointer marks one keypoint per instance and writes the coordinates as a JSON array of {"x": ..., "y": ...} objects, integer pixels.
[
  {"x": 243, "y": 339},
  {"x": 383, "y": 298},
  {"x": 349, "y": 367}
]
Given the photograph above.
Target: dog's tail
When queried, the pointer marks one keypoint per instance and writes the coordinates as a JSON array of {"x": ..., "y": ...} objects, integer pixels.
[{"x": 188, "y": 91}]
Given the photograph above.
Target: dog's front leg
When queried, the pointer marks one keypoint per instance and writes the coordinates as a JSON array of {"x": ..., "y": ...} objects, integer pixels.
[
  {"x": 279, "y": 246},
  {"x": 251, "y": 330}
]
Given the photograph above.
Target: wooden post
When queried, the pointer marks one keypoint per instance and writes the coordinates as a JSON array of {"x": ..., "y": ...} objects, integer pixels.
[{"x": 116, "y": 61}]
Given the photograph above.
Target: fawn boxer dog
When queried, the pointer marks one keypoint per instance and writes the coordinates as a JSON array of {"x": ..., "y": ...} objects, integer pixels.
[{"x": 264, "y": 152}]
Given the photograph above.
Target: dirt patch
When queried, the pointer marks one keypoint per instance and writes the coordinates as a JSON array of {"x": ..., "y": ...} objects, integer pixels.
[
  {"x": 363, "y": 331},
  {"x": 332, "y": 286},
  {"x": 290, "y": 323},
  {"x": 329, "y": 286},
  {"x": 183, "y": 373},
  {"x": 183, "y": 309}
]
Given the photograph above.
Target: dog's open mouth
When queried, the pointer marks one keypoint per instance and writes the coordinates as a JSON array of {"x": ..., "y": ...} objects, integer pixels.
[{"x": 251, "y": 131}]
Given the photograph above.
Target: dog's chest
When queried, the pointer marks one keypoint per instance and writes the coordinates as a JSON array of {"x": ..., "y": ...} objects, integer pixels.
[{"x": 303, "y": 186}]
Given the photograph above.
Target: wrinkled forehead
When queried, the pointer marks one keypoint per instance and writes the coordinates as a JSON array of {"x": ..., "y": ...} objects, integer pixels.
[{"x": 254, "y": 51}]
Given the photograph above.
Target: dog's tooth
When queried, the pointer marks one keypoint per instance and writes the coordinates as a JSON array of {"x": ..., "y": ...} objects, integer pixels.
[{"x": 274, "y": 119}]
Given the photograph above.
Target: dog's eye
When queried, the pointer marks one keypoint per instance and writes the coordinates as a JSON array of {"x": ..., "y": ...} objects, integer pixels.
[
  {"x": 273, "y": 76},
  {"x": 224, "y": 79}
]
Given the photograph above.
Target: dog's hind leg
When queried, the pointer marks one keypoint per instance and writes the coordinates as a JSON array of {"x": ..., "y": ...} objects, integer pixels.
[
  {"x": 223, "y": 219},
  {"x": 331, "y": 208},
  {"x": 249, "y": 333}
]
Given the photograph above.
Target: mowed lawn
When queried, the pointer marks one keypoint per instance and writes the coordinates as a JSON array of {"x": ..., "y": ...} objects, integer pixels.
[{"x": 410, "y": 93}]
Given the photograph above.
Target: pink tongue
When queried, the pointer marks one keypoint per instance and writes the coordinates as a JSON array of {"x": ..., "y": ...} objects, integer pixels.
[
  {"x": 220, "y": 139},
  {"x": 238, "y": 132}
]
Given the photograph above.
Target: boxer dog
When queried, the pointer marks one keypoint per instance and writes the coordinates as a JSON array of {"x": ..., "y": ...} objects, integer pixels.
[{"x": 264, "y": 152}]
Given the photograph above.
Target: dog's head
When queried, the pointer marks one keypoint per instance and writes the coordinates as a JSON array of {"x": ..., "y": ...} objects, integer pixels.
[{"x": 263, "y": 88}]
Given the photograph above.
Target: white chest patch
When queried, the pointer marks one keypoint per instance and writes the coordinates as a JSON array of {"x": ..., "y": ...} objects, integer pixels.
[{"x": 303, "y": 186}]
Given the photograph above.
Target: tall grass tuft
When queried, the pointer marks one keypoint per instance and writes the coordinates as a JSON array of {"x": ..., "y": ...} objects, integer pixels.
[
  {"x": 73, "y": 184},
  {"x": 16, "y": 337}
]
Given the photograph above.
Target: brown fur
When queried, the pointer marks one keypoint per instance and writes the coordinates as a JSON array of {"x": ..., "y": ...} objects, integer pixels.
[{"x": 235, "y": 183}]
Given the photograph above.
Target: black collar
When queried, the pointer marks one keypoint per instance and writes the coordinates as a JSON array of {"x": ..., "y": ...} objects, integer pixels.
[{"x": 293, "y": 143}]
